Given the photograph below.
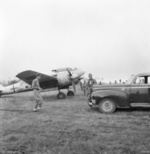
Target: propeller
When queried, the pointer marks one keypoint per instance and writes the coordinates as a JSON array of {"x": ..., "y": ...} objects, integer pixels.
[
  {"x": 74, "y": 87},
  {"x": 81, "y": 86},
  {"x": 72, "y": 80},
  {"x": 70, "y": 74}
]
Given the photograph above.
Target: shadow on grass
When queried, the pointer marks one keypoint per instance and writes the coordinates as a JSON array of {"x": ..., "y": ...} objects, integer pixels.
[
  {"x": 54, "y": 98},
  {"x": 133, "y": 109},
  {"x": 9, "y": 96},
  {"x": 15, "y": 110},
  {"x": 121, "y": 110}
]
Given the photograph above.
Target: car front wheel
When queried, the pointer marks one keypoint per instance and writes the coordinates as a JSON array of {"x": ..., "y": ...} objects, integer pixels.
[{"x": 107, "y": 105}]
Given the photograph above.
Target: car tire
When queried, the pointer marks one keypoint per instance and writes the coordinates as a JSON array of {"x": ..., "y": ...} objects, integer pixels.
[{"x": 107, "y": 105}]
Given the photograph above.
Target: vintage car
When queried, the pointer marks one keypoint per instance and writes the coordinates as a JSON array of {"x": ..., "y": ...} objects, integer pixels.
[{"x": 134, "y": 93}]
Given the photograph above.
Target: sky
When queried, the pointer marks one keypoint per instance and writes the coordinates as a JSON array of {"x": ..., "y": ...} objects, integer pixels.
[{"x": 108, "y": 38}]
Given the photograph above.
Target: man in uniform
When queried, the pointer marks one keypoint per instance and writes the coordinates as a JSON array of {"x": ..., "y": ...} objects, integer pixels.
[
  {"x": 36, "y": 91},
  {"x": 85, "y": 87},
  {"x": 90, "y": 84}
]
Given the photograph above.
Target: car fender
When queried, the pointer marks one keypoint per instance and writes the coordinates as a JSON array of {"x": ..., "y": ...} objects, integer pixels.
[{"x": 121, "y": 98}]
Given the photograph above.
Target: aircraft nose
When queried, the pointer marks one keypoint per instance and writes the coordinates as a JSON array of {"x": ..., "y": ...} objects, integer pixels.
[
  {"x": 80, "y": 72},
  {"x": 77, "y": 74}
]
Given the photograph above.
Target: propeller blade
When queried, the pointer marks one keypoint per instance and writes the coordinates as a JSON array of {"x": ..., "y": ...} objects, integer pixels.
[
  {"x": 69, "y": 72},
  {"x": 81, "y": 86},
  {"x": 74, "y": 87},
  {"x": 73, "y": 83}
]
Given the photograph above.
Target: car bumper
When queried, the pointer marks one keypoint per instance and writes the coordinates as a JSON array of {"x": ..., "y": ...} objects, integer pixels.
[{"x": 92, "y": 102}]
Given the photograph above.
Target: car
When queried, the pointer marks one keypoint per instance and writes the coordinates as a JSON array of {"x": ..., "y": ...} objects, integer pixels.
[{"x": 134, "y": 93}]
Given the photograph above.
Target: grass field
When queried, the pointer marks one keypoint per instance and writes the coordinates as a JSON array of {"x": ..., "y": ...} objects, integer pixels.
[{"x": 69, "y": 126}]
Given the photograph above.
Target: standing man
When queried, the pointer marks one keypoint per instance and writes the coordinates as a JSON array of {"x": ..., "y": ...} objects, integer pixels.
[
  {"x": 36, "y": 91},
  {"x": 90, "y": 84},
  {"x": 85, "y": 87}
]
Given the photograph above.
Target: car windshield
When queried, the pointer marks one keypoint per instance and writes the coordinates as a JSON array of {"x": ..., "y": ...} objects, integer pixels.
[{"x": 129, "y": 81}]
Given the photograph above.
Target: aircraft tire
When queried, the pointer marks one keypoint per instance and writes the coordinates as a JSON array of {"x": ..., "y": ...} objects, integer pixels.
[
  {"x": 61, "y": 95},
  {"x": 70, "y": 93}
]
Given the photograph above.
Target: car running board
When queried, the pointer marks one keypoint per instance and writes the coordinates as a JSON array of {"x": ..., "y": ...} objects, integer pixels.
[{"x": 140, "y": 104}]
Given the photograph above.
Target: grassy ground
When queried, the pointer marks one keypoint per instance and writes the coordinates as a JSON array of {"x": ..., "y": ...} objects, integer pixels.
[{"x": 69, "y": 126}]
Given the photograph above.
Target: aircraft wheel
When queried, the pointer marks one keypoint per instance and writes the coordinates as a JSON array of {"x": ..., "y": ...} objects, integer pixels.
[
  {"x": 61, "y": 95},
  {"x": 70, "y": 93},
  {"x": 107, "y": 105}
]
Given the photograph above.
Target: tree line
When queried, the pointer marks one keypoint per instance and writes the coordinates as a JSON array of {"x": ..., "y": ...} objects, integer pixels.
[{"x": 7, "y": 83}]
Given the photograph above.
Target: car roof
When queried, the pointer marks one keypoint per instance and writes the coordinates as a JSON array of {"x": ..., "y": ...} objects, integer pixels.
[{"x": 143, "y": 74}]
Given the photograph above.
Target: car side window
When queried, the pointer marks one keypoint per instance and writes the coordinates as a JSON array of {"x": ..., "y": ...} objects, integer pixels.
[
  {"x": 139, "y": 80},
  {"x": 148, "y": 80}
]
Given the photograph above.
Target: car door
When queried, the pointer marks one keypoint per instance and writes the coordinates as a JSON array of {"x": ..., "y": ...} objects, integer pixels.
[
  {"x": 140, "y": 90},
  {"x": 148, "y": 83}
]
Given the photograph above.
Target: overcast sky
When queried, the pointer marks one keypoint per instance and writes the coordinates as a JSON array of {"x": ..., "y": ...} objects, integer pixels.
[{"x": 108, "y": 38}]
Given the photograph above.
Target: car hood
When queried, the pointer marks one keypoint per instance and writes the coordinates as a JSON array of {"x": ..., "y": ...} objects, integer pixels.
[{"x": 110, "y": 86}]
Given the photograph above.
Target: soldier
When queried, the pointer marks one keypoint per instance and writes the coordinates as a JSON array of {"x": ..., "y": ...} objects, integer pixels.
[
  {"x": 85, "y": 87},
  {"x": 36, "y": 91},
  {"x": 90, "y": 84}
]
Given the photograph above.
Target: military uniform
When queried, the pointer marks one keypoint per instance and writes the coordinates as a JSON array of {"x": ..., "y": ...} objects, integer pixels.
[
  {"x": 36, "y": 91},
  {"x": 85, "y": 88},
  {"x": 90, "y": 84}
]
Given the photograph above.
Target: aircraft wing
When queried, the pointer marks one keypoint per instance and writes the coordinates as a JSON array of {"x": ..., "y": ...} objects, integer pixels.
[{"x": 46, "y": 81}]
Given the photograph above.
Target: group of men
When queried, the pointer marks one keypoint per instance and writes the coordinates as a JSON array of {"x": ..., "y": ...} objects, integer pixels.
[{"x": 87, "y": 88}]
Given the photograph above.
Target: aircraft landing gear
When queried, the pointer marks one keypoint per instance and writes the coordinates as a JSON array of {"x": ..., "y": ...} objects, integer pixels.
[
  {"x": 70, "y": 93},
  {"x": 61, "y": 95}
]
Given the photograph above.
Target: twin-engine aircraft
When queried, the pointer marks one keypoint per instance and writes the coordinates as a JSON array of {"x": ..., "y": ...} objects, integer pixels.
[{"x": 62, "y": 78}]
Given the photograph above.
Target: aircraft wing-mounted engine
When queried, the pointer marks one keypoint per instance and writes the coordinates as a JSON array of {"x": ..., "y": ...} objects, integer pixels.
[{"x": 63, "y": 78}]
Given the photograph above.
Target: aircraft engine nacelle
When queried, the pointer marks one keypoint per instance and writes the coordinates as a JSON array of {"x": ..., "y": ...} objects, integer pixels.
[
  {"x": 74, "y": 76},
  {"x": 63, "y": 78}
]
